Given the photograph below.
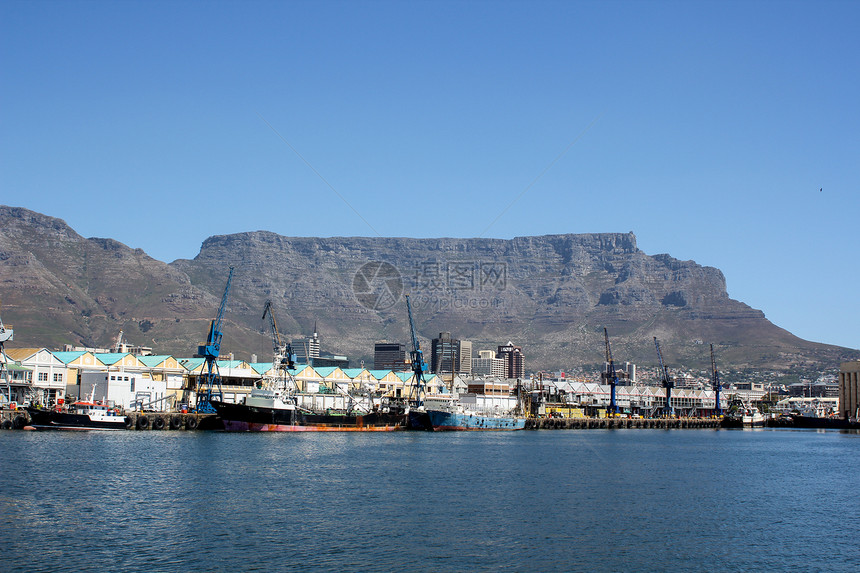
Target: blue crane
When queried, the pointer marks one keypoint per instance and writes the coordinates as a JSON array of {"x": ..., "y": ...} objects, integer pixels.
[
  {"x": 419, "y": 367},
  {"x": 668, "y": 411},
  {"x": 610, "y": 375},
  {"x": 715, "y": 380},
  {"x": 209, "y": 386}
]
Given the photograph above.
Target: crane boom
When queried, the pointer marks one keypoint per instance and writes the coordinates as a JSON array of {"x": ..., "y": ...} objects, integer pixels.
[
  {"x": 611, "y": 375},
  {"x": 210, "y": 385},
  {"x": 419, "y": 367},
  {"x": 715, "y": 381},
  {"x": 667, "y": 382},
  {"x": 283, "y": 353}
]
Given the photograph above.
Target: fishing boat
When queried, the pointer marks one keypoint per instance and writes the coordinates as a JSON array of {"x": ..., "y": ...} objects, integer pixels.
[
  {"x": 266, "y": 410},
  {"x": 745, "y": 417},
  {"x": 81, "y": 415}
]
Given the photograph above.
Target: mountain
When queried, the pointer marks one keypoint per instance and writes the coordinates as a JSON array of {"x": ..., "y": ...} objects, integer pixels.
[{"x": 552, "y": 295}]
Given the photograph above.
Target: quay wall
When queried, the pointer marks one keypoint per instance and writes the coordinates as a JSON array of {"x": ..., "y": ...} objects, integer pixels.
[{"x": 619, "y": 423}]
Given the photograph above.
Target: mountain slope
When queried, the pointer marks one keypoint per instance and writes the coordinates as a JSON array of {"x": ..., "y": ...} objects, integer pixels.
[{"x": 552, "y": 294}]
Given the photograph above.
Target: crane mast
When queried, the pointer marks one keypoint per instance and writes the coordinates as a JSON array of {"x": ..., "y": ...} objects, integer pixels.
[
  {"x": 419, "y": 367},
  {"x": 611, "y": 375},
  {"x": 667, "y": 382},
  {"x": 209, "y": 386},
  {"x": 283, "y": 353},
  {"x": 715, "y": 381}
]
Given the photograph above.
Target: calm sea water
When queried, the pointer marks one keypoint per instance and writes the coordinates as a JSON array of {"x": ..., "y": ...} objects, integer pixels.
[{"x": 628, "y": 500}]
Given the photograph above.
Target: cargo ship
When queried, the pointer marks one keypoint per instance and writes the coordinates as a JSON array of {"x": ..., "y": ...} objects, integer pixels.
[
  {"x": 273, "y": 411},
  {"x": 459, "y": 419}
]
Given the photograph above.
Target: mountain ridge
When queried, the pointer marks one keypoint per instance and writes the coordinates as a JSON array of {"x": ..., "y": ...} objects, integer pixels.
[{"x": 551, "y": 294}]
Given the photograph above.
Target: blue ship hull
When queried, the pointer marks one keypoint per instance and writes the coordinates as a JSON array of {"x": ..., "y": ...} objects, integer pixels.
[{"x": 453, "y": 421}]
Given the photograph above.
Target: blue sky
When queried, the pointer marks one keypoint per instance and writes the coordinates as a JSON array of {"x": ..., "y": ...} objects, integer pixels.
[{"x": 723, "y": 132}]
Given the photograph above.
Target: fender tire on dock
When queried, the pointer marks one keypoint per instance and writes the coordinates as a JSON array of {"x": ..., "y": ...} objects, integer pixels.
[
  {"x": 6, "y": 425},
  {"x": 158, "y": 423},
  {"x": 19, "y": 422},
  {"x": 129, "y": 423},
  {"x": 142, "y": 423},
  {"x": 191, "y": 423},
  {"x": 175, "y": 422}
]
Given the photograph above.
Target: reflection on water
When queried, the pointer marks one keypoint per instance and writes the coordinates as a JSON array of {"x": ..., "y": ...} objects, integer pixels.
[{"x": 562, "y": 500}]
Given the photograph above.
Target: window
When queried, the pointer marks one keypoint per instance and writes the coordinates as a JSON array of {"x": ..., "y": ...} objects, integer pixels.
[
  {"x": 58, "y": 377},
  {"x": 43, "y": 376}
]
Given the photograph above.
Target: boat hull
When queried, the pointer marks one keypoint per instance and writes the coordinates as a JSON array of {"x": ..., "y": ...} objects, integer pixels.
[
  {"x": 455, "y": 421},
  {"x": 53, "y": 420},
  {"x": 242, "y": 418}
]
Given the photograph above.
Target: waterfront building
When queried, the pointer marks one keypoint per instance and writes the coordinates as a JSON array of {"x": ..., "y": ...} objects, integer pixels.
[
  {"x": 389, "y": 356},
  {"x": 849, "y": 389},
  {"x": 49, "y": 374},
  {"x": 514, "y": 360}
]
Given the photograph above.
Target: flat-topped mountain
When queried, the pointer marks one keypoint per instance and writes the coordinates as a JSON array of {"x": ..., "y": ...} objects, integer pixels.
[{"x": 551, "y": 294}]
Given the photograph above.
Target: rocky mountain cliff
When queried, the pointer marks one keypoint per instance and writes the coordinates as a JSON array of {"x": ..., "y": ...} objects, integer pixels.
[{"x": 552, "y": 295}]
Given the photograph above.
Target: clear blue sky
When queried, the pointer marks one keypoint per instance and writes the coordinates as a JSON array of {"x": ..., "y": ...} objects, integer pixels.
[{"x": 726, "y": 132}]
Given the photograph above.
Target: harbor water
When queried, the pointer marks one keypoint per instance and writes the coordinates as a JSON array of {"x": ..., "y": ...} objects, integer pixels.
[{"x": 604, "y": 500}]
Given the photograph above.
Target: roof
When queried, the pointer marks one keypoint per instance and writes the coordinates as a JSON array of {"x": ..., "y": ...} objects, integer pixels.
[
  {"x": 405, "y": 376},
  {"x": 67, "y": 357},
  {"x": 261, "y": 367},
  {"x": 109, "y": 358},
  {"x": 191, "y": 363},
  {"x": 20, "y": 354},
  {"x": 353, "y": 372},
  {"x": 153, "y": 361},
  {"x": 325, "y": 371},
  {"x": 379, "y": 374}
]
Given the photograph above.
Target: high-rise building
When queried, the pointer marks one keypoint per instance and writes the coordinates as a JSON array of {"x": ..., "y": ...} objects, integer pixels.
[
  {"x": 449, "y": 355},
  {"x": 465, "y": 357},
  {"x": 389, "y": 356},
  {"x": 488, "y": 365},
  {"x": 307, "y": 349},
  {"x": 514, "y": 360}
]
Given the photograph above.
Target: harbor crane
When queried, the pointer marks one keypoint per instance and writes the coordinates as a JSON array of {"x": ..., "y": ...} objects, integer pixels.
[
  {"x": 6, "y": 334},
  {"x": 610, "y": 375},
  {"x": 284, "y": 359},
  {"x": 419, "y": 367},
  {"x": 668, "y": 411},
  {"x": 209, "y": 386},
  {"x": 715, "y": 381}
]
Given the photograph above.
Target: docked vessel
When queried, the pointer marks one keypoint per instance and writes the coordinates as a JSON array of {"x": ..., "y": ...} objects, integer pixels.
[
  {"x": 273, "y": 411},
  {"x": 746, "y": 417},
  {"x": 457, "y": 418},
  {"x": 79, "y": 416}
]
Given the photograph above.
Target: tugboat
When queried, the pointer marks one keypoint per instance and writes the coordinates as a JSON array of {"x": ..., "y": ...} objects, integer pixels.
[{"x": 80, "y": 416}]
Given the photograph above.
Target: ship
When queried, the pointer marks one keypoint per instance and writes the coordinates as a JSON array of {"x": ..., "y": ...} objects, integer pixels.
[
  {"x": 455, "y": 417},
  {"x": 82, "y": 415},
  {"x": 265, "y": 410},
  {"x": 745, "y": 417}
]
